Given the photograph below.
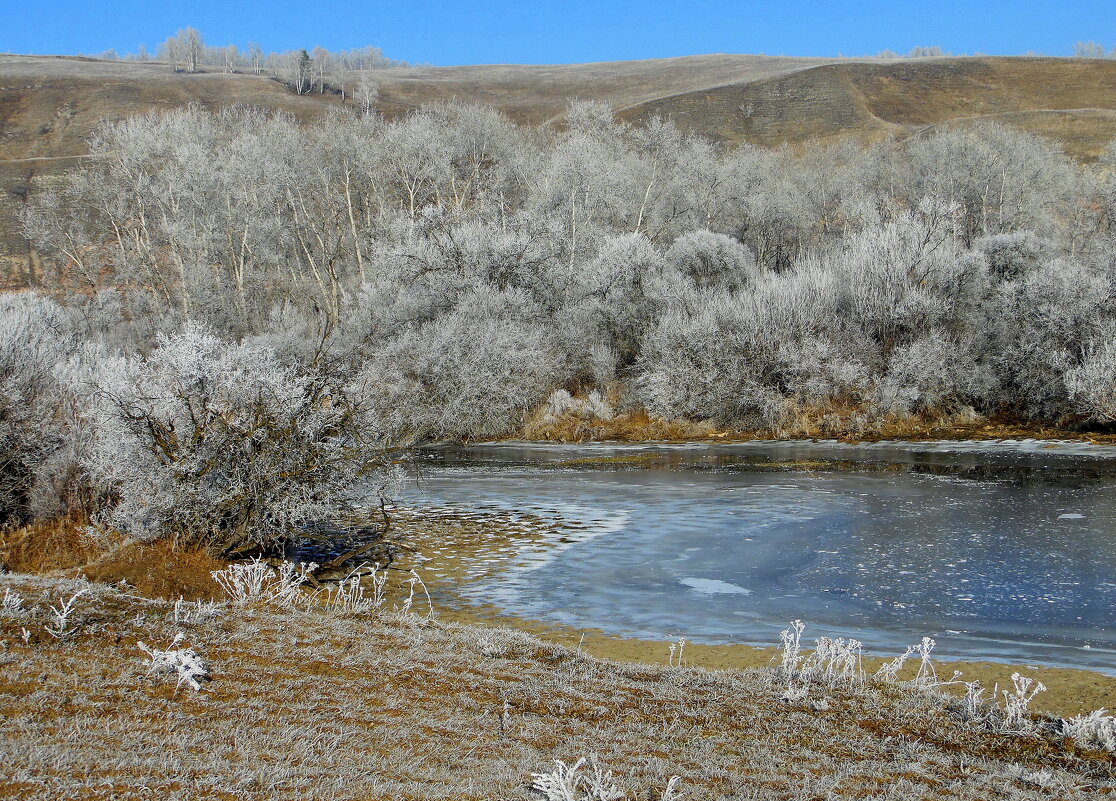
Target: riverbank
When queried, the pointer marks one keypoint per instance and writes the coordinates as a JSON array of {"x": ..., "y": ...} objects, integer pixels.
[
  {"x": 311, "y": 704},
  {"x": 639, "y": 426},
  {"x": 455, "y": 549}
]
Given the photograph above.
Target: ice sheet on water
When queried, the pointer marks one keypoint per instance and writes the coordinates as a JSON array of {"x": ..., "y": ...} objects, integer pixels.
[
  {"x": 714, "y": 586},
  {"x": 920, "y": 538}
]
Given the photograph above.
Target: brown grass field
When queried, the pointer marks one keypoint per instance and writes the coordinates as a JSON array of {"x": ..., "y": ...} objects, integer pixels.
[{"x": 311, "y": 704}]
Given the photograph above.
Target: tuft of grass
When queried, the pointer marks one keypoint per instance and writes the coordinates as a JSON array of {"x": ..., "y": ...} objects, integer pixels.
[
  {"x": 159, "y": 570},
  {"x": 50, "y": 545}
]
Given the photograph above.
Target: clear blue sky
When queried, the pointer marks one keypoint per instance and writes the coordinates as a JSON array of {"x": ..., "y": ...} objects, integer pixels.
[{"x": 531, "y": 32}]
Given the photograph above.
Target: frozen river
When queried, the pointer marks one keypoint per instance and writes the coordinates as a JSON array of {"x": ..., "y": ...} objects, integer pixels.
[{"x": 998, "y": 551}]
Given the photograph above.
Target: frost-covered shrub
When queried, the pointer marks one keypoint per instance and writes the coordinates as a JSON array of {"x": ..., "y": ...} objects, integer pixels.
[
  {"x": 821, "y": 369},
  {"x": 901, "y": 280},
  {"x": 719, "y": 363},
  {"x": 616, "y": 291},
  {"x": 738, "y": 357},
  {"x": 474, "y": 372},
  {"x": 1013, "y": 255},
  {"x": 1045, "y": 322},
  {"x": 1092, "y": 385},
  {"x": 590, "y": 407},
  {"x": 935, "y": 372},
  {"x": 35, "y": 338},
  {"x": 452, "y": 256},
  {"x": 713, "y": 261},
  {"x": 1017, "y": 700},
  {"x": 220, "y": 444}
]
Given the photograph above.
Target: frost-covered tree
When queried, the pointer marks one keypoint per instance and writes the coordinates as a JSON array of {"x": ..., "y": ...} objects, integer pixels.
[
  {"x": 35, "y": 337},
  {"x": 474, "y": 372},
  {"x": 999, "y": 178},
  {"x": 477, "y": 267},
  {"x": 1088, "y": 50}
]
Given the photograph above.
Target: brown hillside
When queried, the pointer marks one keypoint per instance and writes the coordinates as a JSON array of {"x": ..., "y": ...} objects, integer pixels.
[
  {"x": 1073, "y": 101},
  {"x": 535, "y": 95}
]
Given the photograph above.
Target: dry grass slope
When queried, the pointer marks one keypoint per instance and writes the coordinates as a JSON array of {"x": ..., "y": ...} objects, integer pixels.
[
  {"x": 315, "y": 705},
  {"x": 1073, "y": 101}
]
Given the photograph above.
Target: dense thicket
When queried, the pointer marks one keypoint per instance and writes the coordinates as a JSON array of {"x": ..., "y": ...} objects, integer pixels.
[{"x": 463, "y": 269}]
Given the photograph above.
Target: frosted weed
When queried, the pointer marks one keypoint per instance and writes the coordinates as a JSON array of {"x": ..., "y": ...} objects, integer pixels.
[
  {"x": 11, "y": 603},
  {"x": 60, "y": 627},
  {"x": 248, "y": 582},
  {"x": 569, "y": 783},
  {"x": 1094, "y": 730},
  {"x": 1016, "y": 702},
  {"x": 186, "y": 665},
  {"x": 193, "y": 612}
]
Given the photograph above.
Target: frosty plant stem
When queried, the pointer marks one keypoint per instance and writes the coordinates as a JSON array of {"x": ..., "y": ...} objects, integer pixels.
[
  {"x": 1016, "y": 702},
  {"x": 61, "y": 614},
  {"x": 11, "y": 603}
]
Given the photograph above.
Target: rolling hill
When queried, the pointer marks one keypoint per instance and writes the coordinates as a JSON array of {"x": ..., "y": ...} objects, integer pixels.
[
  {"x": 1070, "y": 100},
  {"x": 49, "y": 105}
]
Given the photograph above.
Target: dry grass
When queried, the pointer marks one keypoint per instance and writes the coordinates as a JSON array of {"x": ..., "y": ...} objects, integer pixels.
[
  {"x": 847, "y": 422},
  {"x": 874, "y": 100},
  {"x": 159, "y": 570},
  {"x": 69, "y": 545},
  {"x": 309, "y": 705},
  {"x": 48, "y": 545},
  {"x": 636, "y": 426}
]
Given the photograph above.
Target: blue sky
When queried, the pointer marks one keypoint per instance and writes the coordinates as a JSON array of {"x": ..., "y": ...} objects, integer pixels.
[{"x": 564, "y": 31}]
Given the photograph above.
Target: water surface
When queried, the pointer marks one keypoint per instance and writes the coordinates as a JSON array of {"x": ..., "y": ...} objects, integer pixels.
[{"x": 997, "y": 551}]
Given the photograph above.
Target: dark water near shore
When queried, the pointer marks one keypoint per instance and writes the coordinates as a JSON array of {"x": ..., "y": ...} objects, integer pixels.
[{"x": 997, "y": 551}]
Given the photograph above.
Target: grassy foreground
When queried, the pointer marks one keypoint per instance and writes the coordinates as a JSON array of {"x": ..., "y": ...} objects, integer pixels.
[{"x": 309, "y": 703}]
